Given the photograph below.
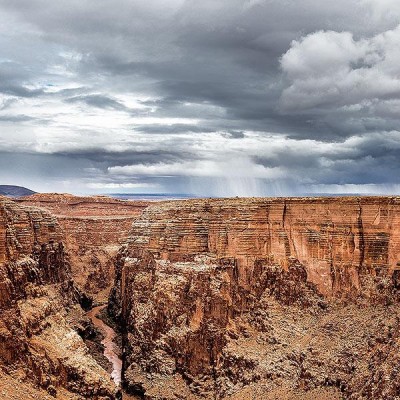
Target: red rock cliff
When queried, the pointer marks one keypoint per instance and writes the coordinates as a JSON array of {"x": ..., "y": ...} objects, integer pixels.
[
  {"x": 261, "y": 298},
  {"x": 40, "y": 354},
  {"x": 94, "y": 228},
  {"x": 336, "y": 239}
]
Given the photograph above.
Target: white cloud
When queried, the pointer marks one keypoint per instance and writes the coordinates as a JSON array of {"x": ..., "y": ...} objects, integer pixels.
[
  {"x": 321, "y": 53},
  {"x": 230, "y": 167},
  {"x": 332, "y": 69},
  {"x": 383, "y": 11}
]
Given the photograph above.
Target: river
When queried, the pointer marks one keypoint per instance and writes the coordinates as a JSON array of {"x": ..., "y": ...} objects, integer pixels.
[{"x": 110, "y": 348}]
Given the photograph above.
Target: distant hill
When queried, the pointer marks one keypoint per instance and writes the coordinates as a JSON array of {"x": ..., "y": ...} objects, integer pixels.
[{"x": 15, "y": 191}]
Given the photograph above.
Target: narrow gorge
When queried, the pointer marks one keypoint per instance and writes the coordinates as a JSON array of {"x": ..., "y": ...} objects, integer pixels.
[
  {"x": 42, "y": 322},
  {"x": 230, "y": 299}
]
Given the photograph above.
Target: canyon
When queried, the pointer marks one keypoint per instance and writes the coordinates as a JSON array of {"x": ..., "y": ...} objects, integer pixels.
[
  {"x": 245, "y": 298},
  {"x": 94, "y": 229},
  {"x": 42, "y": 356}
]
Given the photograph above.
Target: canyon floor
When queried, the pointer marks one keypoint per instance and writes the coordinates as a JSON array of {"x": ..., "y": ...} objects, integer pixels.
[{"x": 252, "y": 298}]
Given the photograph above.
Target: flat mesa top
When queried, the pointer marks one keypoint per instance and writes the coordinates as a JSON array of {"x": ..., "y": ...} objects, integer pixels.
[{"x": 265, "y": 200}]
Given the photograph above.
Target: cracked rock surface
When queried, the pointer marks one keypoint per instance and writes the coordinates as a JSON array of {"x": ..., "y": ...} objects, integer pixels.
[
  {"x": 261, "y": 299},
  {"x": 41, "y": 355}
]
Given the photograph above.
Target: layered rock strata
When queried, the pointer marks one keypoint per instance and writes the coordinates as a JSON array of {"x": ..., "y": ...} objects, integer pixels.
[
  {"x": 41, "y": 356},
  {"x": 94, "y": 228},
  {"x": 262, "y": 299}
]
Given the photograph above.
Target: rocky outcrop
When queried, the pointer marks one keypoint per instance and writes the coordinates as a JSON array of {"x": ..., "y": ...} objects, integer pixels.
[
  {"x": 84, "y": 206},
  {"x": 39, "y": 304},
  {"x": 261, "y": 298},
  {"x": 94, "y": 229},
  {"x": 338, "y": 240}
]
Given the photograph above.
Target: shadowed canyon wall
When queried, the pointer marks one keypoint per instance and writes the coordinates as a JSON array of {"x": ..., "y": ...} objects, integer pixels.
[
  {"x": 261, "y": 298},
  {"x": 41, "y": 356}
]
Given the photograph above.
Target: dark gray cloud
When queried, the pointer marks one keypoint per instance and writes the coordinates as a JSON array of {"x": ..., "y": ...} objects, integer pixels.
[
  {"x": 216, "y": 97},
  {"x": 106, "y": 159},
  {"x": 174, "y": 128},
  {"x": 15, "y": 118},
  {"x": 234, "y": 134},
  {"x": 98, "y": 100},
  {"x": 20, "y": 91}
]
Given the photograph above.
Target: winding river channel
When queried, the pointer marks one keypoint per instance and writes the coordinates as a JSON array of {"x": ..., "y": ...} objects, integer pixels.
[{"x": 110, "y": 348}]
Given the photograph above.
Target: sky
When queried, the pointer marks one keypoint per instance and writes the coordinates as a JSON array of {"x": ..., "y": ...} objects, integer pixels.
[{"x": 210, "y": 98}]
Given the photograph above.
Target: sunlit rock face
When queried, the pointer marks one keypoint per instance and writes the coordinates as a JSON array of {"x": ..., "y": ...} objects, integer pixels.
[
  {"x": 41, "y": 356},
  {"x": 261, "y": 298}
]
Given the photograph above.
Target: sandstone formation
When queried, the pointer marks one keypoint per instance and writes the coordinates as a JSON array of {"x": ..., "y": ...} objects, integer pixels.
[
  {"x": 41, "y": 355},
  {"x": 216, "y": 299},
  {"x": 84, "y": 206},
  {"x": 262, "y": 299},
  {"x": 94, "y": 228}
]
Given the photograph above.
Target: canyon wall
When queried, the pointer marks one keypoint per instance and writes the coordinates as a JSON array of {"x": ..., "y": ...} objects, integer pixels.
[
  {"x": 261, "y": 298},
  {"x": 41, "y": 355},
  {"x": 94, "y": 228}
]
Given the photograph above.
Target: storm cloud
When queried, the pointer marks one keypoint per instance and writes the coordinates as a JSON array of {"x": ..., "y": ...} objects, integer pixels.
[{"x": 228, "y": 97}]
